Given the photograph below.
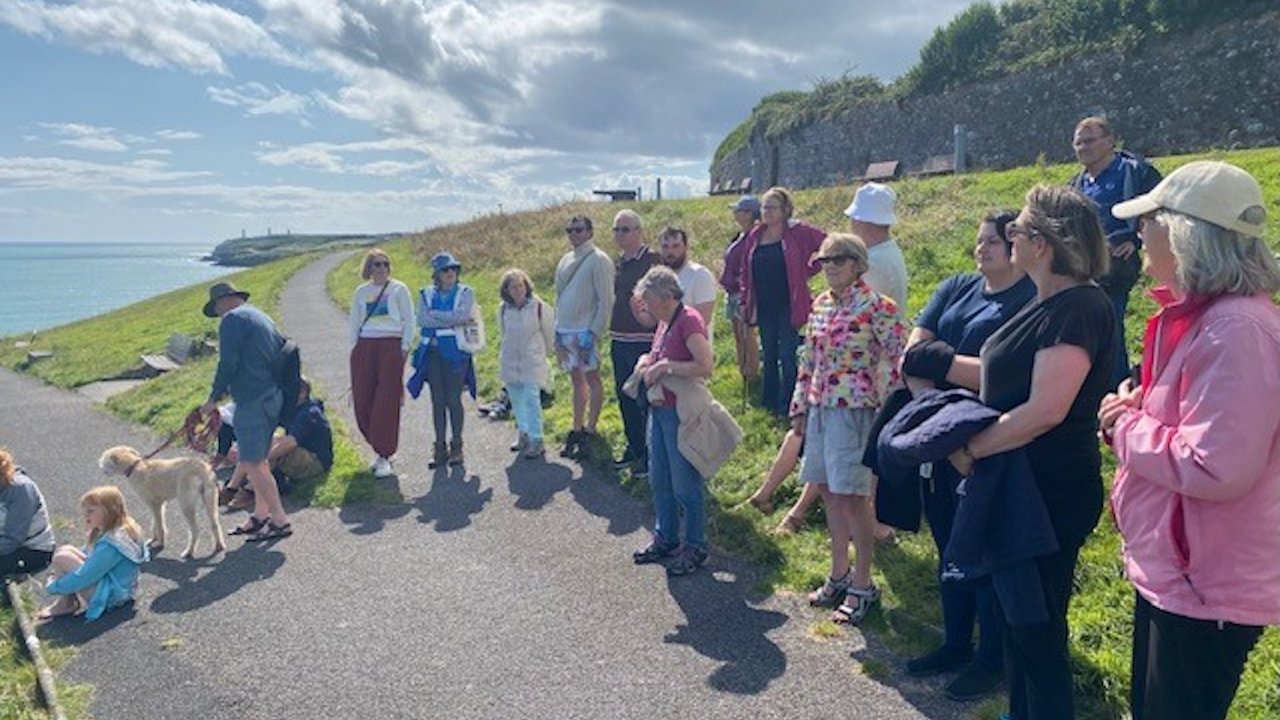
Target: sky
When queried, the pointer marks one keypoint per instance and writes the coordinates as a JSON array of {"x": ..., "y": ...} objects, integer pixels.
[{"x": 192, "y": 121}]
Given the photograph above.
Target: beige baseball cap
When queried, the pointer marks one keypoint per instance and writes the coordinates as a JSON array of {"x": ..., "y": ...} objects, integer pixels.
[{"x": 1215, "y": 192}]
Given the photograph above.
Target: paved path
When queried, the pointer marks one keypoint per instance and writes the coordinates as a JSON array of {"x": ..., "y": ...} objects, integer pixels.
[{"x": 502, "y": 591}]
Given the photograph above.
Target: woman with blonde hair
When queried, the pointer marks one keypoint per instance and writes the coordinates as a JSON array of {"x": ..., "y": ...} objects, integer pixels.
[
  {"x": 26, "y": 538},
  {"x": 1197, "y": 442},
  {"x": 380, "y": 333},
  {"x": 103, "y": 574},
  {"x": 847, "y": 367},
  {"x": 528, "y": 326}
]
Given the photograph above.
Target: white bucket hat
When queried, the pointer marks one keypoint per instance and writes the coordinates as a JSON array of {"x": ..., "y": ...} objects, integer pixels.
[
  {"x": 1216, "y": 192},
  {"x": 873, "y": 203}
]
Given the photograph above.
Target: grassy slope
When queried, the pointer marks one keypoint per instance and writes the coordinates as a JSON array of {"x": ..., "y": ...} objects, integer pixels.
[{"x": 937, "y": 220}]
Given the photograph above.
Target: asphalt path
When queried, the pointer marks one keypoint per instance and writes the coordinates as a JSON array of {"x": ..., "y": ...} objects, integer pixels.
[{"x": 501, "y": 590}]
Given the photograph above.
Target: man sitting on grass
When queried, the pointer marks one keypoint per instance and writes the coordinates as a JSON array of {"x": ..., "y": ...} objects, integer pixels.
[{"x": 303, "y": 453}]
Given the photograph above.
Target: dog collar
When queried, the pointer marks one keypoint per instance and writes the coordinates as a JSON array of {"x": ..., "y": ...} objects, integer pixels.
[{"x": 129, "y": 470}]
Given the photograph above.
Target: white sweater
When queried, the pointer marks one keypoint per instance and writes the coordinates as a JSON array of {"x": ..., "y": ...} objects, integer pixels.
[
  {"x": 392, "y": 318},
  {"x": 527, "y": 335}
]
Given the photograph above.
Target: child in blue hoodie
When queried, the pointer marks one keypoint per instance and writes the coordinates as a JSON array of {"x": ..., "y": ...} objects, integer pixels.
[{"x": 104, "y": 574}]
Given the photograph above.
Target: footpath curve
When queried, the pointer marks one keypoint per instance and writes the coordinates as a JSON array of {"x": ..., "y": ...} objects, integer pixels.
[{"x": 505, "y": 590}]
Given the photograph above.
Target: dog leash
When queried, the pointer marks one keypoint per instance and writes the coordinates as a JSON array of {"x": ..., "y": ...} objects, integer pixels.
[{"x": 196, "y": 431}]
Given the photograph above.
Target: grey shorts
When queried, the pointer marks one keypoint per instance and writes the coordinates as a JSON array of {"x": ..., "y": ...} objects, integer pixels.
[
  {"x": 255, "y": 423},
  {"x": 834, "y": 439}
]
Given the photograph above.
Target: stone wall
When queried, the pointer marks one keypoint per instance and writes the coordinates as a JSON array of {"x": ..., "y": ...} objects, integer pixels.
[{"x": 1216, "y": 89}]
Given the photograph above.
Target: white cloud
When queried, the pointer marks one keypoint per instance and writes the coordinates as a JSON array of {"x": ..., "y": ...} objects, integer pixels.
[
  {"x": 197, "y": 36},
  {"x": 258, "y": 99},
  {"x": 87, "y": 137},
  {"x": 178, "y": 135},
  {"x": 55, "y": 173},
  {"x": 161, "y": 152}
]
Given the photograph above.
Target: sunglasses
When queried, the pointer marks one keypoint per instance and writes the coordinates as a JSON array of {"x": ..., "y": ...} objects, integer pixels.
[
  {"x": 834, "y": 260},
  {"x": 380, "y": 263},
  {"x": 574, "y": 230},
  {"x": 1014, "y": 229}
]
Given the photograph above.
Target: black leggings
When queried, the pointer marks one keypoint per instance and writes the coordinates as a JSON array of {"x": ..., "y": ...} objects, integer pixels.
[
  {"x": 1185, "y": 668},
  {"x": 24, "y": 560},
  {"x": 1036, "y": 661},
  {"x": 445, "y": 381}
]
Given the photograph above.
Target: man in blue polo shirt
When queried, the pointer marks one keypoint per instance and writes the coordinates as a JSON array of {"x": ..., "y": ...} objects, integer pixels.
[{"x": 1111, "y": 176}]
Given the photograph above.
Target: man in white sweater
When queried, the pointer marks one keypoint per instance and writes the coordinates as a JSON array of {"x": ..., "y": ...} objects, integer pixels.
[{"x": 584, "y": 300}]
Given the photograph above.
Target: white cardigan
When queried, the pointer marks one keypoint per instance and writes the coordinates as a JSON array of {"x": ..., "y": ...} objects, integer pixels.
[
  {"x": 528, "y": 333},
  {"x": 398, "y": 322}
]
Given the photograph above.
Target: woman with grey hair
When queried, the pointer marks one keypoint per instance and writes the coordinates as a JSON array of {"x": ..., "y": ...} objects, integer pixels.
[
  {"x": 1046, "y": 370},
  {"x": 681, "y": 348},
  {"x": 1197, "y": 440}
]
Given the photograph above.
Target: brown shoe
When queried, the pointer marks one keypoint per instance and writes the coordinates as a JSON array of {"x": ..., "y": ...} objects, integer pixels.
[
  {"x": 243, "y": 499},
  {"x": 455, "y": 452},
  {"x": 225, "y": 494},
  {"x": 439, "y": 457}
]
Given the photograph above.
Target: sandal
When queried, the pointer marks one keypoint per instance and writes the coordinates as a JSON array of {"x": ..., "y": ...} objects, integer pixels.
[
  {"x": 273, "y": 532},
  {"x": 790, "y": 525},
  {"x": 857, "y": 602},
  {"x": 254, "y": 526},
  {"x": 48, "y": 613},
  {"x": 765, "y": 507},
  {"x": 832, "y": 591}
]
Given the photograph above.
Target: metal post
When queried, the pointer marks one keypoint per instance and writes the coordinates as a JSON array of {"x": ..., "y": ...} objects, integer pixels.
[{"x": 961, "y": 147}]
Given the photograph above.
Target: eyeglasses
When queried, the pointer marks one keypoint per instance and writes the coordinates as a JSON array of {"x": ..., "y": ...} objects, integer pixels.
[
  {"x": 380, "y": 263},
  {"x": 834, "y": 260},
  {"x": 574, "y": 230},
  {"x": 622, "y": 229},
  {"x": 770, "y": 207},
  {"x": 1082, "y": 141},
  {"x": 1013, "y": 229}
]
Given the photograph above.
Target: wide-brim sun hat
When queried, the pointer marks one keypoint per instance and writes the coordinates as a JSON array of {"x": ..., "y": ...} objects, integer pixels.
[
  {"x": 1209, "y": 190},
  {"x": 219, "y": 291},
  {"x": 873, "y": 203}
]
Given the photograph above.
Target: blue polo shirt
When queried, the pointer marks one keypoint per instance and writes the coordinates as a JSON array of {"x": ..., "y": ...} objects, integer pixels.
[{"x": 1105, "y": 191}]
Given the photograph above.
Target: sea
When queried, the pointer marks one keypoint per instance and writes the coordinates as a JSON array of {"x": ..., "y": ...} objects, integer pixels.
[{"x": 44, "y": 284}]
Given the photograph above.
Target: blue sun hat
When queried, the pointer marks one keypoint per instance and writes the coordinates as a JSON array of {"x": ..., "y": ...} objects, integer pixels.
[{"x": 445, "y": 260}]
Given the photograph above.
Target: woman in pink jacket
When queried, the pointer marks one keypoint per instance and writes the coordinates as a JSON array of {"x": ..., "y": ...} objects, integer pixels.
[
  {"x": 1197, "y": 492},
  {"x": 777, "y": 263}
]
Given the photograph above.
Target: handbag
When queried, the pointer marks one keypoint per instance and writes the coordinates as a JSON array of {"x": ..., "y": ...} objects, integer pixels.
[{"x": 471, "y": 336}]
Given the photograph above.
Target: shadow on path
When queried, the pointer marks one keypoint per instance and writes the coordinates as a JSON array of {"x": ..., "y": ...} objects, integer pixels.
[
  {"x": 74, "y": 630},
  {"x": 368, "y": 518},
  {"x": 452, "y": 499},
  {"x": 608, "y": 501},
  {"x": 535, "y": 483},
  {"x": 721, "y": 624},
  {"x": 242, "y": 565}
]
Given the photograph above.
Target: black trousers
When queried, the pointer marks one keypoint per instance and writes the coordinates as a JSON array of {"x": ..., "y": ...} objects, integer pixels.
[
  {"x": 446, "y": 382},
  {"x": 1036, "y": 660},
  {"x": 24, "y": 560},
  {"x": 635, "y": 417},
  {"x": 1185, "y": 668}
]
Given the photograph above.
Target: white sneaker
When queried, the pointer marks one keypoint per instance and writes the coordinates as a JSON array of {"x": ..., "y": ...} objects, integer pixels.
[{"x": 382, "y": 468}]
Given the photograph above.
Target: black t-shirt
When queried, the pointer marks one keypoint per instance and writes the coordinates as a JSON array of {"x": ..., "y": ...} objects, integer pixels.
[
  {"x": 1066, "y": 460},
  {"x": 769, "y": 278}
]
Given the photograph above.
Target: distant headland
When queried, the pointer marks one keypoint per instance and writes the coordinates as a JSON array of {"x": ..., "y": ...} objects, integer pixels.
[{"x": 259, "y": 249}]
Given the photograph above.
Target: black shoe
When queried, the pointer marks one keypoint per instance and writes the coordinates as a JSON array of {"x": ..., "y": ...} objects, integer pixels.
[
  {"x": 688, "y": 561},
  {"x": 974, "y": 683},
  {"x": 439, "y": 457},
  {"x": 625, "y": 461},
  {"x": 654, "y": 552},
  {"x": 944, "y": 659},
  {"x": 582, "y": 448},
  {"x": 571, "y": 444}
]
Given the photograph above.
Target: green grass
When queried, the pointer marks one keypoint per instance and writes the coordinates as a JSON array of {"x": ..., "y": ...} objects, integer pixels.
[
  {"x": 18, "y": 699},
  {"x": 937, "y": 223}
]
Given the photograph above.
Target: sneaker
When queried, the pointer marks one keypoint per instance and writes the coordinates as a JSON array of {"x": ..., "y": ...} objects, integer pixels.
[
  {"x": 625, "y": 461},
  {"x": 521, "y": 443},
  {"x": 942, "y": 660},
  {"x": 687, "y": 562},
  {"x": 654, "y": 552},
  {"x": 974, "y": 683},
  {"x": 534, "y": 450},
  {"x": 382, "y": 467},
  {"x": 857, "y": 603}
]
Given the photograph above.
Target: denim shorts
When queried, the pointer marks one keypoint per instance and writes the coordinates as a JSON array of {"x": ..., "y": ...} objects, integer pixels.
[
  {"x": 834, "y": 439},
  {"x": 577, "y": 351},
  {"x": 255, "y": 423}
]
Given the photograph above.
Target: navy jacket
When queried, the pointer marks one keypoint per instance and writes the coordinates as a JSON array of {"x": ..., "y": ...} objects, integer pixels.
[{"x": 1001, "y": 523}]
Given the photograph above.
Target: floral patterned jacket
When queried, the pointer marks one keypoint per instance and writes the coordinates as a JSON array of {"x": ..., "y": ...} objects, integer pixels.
[{"x": 850, "y": 355}]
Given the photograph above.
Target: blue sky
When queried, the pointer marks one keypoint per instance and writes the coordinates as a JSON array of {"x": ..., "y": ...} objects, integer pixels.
[{"x": 179, "y": 120}]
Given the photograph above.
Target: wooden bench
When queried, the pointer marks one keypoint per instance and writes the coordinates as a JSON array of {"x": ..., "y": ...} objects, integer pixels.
[
  {"x": 883, "y": 170},
  {"x": 175, "y": 354},
  {"x": 938, "y": 165}
]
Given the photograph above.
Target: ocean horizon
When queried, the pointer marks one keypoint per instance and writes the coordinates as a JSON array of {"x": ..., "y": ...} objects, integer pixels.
[{"x": 49, "y": 283}]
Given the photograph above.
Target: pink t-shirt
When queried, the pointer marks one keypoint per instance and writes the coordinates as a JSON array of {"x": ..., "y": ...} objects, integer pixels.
[{"x": 674, "y": 344}]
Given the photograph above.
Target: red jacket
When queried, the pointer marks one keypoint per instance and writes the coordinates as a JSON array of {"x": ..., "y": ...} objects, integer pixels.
[{"x": 800, "y": 242}]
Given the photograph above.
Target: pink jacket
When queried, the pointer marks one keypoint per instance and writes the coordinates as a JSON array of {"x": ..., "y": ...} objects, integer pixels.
[
  {"x": 1197, "y": 493},
  {"x": 800, "y": 242}
]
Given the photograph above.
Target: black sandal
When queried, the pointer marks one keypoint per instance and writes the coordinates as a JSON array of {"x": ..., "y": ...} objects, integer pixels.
[
  {"x": 273, "y": 531},
  {"x": 255, "y": 526}
]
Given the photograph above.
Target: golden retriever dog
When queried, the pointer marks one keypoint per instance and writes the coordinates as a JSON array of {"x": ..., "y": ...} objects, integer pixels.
[{"x": 187, "y": 480}]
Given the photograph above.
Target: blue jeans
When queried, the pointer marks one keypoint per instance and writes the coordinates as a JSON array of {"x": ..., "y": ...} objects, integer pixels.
[
  {"x": 778, "y": 345},
  {"x": 634, "y": 415},
  {"x": 526, "y": 403},
  {"x": 674, "y": 482}
]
